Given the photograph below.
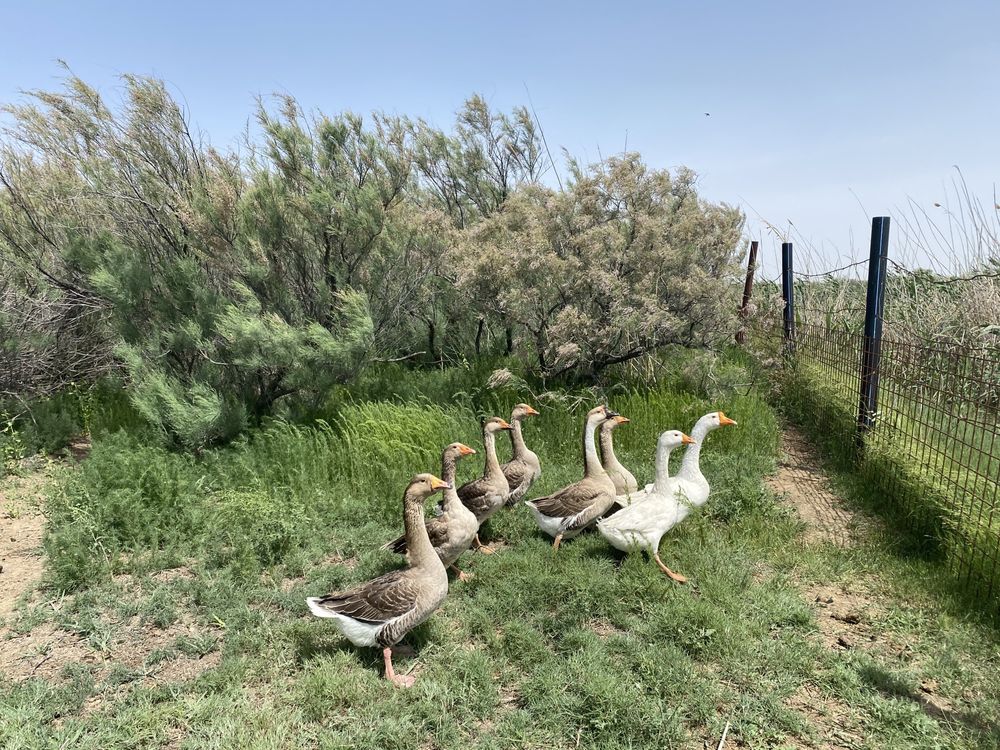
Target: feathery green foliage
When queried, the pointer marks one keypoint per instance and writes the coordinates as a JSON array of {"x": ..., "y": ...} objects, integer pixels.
[{"x": 229, "y": 287}]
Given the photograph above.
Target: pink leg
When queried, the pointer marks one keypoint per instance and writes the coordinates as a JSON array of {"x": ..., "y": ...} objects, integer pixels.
[{"x": 399, "y": 680}]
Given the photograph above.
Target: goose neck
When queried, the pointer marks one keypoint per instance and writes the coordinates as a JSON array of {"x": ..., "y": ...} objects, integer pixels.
[
  {"x": 662, "y": 466},
  {"x": 608, "y": 447},
  {"x": 492, "y": 462},
  {"x": 517, "y": 439},
  {"x": 448, "y": 466},
  {"x": 690, "y": 468},
  {"x": 418, "y": 543},
  {"x": 591, "y": 463}
]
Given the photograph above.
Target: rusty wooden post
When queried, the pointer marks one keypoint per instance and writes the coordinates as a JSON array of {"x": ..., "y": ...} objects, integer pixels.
[{"x": 741, "y": 334}]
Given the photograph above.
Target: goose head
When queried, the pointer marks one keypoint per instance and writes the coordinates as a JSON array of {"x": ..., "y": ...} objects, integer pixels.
[
  {"x": 521, "y": 411},
  {"x": 711, "y": 421},
  {"x": 600, "y": 414},
  {"x": 425, "y": 485},
  {"x": 612, "y": 423},
  {"x": 718, "y": 419},
  {"x": 494, "y": 424},
  {"x": 674, "y": 439},
  {"x": 457, "y": 450}
]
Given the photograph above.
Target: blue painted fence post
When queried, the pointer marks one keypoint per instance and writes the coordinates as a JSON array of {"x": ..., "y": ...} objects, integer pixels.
[
  {"x": 788, "y": 295},
  {"x": 871, "y": 343}
]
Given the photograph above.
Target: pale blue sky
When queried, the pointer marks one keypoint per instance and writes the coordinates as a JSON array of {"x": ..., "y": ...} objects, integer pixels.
[{"x": 815, "y": 107}]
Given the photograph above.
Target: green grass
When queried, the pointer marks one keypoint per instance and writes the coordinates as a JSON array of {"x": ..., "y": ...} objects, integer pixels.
[
  {"x": 211, "y": 559},
  {"x": 914, "y": 472}
]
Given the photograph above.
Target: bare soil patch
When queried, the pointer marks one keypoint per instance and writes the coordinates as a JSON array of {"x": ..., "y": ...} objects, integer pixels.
[
  {"x": 603, "y": 628},
  {"x": 806, "y": 488},
  {"x": 21, "y": 528},
  {"x": 844, "y": 616},
  {"x": 117, "y": 668},
  {"x": 830, "y": 719},
  {"x": 844, "y": 613},
  {"x": 44, "y": 651}
]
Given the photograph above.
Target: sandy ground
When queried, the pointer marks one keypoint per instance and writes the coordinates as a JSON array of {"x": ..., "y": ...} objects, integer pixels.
[{"x": 21, "y": 527}]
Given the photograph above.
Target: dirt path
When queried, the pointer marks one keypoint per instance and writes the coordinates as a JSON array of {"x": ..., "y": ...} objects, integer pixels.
[
  {"x": 803, "y": 482},
  {"x": 21, "y": 528},
  {"x": 840, "y": 612},
  {"x": 845, "y": 611}
]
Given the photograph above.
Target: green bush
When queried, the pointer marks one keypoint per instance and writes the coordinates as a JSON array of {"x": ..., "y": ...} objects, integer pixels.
[
  {"x": 251, "y": 529},
  {"x": 127, "y": 497}
]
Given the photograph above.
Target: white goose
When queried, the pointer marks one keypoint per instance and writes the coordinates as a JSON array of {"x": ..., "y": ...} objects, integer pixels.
[{"x": 668, "y": 501}]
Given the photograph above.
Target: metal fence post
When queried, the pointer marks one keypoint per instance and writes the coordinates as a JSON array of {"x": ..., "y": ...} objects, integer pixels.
[
  {"x": 788, "y": 295},
  {"x": 741, "y": 334},
  {"x": 871, "y": 343}
]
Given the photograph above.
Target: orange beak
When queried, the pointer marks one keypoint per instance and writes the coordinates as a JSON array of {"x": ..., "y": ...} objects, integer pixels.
[
  {"x": 724, "y": 420},
  {"x": 530, "y": 411},
  {"x": 687, "y": 439},
  {"x": 505, "y": 425},
  {"x": 439, "y": 484},
  {"x": 622, "y": 420},
  {"x": 464, "y": 450}
]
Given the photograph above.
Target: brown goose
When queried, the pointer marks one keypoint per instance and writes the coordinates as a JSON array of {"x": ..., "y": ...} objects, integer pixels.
[
  {"x": 524, "y": 467},
  {"x": 569, "y": 511},
  {"x": 625, "y": 484},
  {"x": 452, "y": 532},
  {"x": 486, "y": 495},
  {"x": 381, "y": 611}
]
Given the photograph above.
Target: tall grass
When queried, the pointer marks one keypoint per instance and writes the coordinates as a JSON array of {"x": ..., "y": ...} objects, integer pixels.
[
  {"x": 48, "y": 424},
  {"x": 289, "y": 491}
]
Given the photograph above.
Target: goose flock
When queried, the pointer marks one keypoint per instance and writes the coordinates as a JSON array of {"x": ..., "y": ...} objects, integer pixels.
[{"x": 380, "y": 612}]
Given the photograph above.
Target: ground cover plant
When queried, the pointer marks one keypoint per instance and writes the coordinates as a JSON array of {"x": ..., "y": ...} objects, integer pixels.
[{"x": 171, "y": 612}]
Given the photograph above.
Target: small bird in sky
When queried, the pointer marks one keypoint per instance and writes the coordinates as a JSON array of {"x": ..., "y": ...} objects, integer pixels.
[{"x": 707, "y": 114}]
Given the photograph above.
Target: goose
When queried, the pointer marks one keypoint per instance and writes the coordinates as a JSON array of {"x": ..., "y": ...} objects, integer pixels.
[
  {"x": 486, "y": 495},
  {"x": 653, "y": 511},
  {"x": 668, "y": 501},
  {"x": 625, "y": 484},
  {"x": 566, "y": 513},
  {"x": 524, "y": 467},
  {"x": 452, "y": 532},
  {"x": 381, "y": 611}
]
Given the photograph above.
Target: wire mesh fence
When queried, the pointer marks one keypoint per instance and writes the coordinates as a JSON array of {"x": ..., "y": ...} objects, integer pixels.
[{"x": 930, "y": 453}]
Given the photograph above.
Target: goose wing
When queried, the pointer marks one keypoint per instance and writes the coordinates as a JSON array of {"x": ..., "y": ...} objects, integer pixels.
[
  {"x": 635, "y": 517},
  {"x": 378, "y": 600},
  {"x": 517, "y": 473},
  {"x": 475, "y": 495},
  {"x": 571, "y": 500},
  {"x": 519, "y": 476}
]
